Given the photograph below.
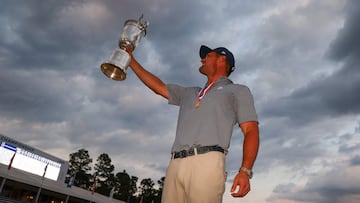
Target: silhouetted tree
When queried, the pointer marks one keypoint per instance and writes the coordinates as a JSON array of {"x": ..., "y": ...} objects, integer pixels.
[
  {"x": 147, "y": 190},
  {"x": 122, "y": 186},
  {"x": 133, "y": 189},
  {"x": 104, "y": 174},
  {"x": 79, "y": 164},
  {"x": 158, "y": 192}
]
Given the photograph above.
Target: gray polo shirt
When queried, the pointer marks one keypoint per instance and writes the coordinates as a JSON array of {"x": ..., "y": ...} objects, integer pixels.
[{"x": 213, "y": 122}]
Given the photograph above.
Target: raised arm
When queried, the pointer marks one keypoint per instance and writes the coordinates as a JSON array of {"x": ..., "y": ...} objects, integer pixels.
[{"x": 149, "y": 79}]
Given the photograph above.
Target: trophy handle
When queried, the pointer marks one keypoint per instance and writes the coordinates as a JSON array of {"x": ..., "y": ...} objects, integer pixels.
[{"x": 144, "y": 24}]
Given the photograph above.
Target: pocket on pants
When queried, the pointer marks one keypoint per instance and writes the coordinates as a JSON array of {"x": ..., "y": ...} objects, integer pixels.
[{"x": 208, "y": 178}]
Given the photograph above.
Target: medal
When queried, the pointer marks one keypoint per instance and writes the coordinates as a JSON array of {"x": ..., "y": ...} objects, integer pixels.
[
  {"x": 202, "y": 93},
  {"x": 197, "y": 104}
]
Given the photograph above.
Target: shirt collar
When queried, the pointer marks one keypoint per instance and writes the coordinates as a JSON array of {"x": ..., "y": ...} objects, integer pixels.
[{"x": 223, "y": 81}]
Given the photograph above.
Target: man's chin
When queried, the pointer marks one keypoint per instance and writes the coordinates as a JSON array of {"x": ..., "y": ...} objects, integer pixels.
[{"x": 201, "y": 70}]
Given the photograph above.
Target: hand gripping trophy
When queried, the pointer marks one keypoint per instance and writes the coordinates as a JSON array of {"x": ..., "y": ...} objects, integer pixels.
[{"x": 117, "y": 64}]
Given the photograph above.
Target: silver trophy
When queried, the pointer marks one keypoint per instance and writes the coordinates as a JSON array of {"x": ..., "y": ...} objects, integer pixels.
[{"x": 117, "y": 64}]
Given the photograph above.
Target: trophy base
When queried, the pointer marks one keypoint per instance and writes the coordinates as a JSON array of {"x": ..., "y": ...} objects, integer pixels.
[{"x": 113, "y": 71}]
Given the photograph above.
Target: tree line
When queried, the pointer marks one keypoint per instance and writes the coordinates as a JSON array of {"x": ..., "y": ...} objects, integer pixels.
[{"x": 102, "y": 179}]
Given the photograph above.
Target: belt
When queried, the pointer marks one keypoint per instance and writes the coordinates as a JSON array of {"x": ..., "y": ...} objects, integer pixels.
[{"x": 196, "y": 150}]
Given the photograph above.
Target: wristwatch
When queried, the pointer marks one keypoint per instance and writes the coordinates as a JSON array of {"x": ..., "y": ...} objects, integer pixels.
[{"x": 247, "y": 171}]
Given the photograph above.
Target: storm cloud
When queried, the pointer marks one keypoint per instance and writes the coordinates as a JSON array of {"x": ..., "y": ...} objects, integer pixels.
[{"x": 299, "y": 58}]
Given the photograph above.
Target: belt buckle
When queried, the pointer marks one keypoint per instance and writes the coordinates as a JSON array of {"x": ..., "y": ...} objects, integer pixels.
[{"x": 183, "y": 154}]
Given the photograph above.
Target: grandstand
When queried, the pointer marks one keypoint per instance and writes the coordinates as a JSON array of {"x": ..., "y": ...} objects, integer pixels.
[{"x": 33, "y": 176}]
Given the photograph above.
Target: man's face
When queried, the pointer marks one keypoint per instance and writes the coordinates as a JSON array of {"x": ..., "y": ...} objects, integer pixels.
[{"x": 209, "y": 64}]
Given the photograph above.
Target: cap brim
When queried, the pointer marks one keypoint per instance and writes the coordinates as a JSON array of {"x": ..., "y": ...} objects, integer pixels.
[{"x": 204, "y": 50}]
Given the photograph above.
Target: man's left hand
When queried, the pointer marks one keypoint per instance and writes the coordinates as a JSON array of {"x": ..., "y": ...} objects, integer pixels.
[{"x": 241, "y": 182}]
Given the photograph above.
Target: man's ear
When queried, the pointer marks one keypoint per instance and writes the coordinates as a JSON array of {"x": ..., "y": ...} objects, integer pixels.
[{"x": 223, "y": 60}]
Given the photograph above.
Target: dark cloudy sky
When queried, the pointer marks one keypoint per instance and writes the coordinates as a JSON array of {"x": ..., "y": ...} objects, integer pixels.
[{"x": 300, "y": 58}]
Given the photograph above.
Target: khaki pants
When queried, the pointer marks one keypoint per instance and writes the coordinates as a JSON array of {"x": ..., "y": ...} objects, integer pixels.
[{"x": 195, "y": 179}]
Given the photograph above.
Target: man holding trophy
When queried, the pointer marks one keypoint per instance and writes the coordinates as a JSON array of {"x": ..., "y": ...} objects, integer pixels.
[{"x": 196, "y": 172}]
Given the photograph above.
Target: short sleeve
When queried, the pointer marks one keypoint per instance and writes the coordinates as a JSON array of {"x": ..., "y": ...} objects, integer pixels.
[
  {"x": 244, "y": 104},
  {"x": 176, "y": 93}
]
